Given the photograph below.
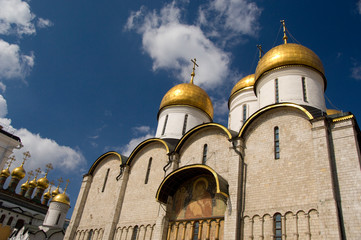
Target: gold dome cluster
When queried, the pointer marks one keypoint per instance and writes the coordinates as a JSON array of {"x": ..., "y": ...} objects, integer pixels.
[
  {"x": 289, "y": 54},
  {"x": 5, "y": 173},
  {"x": 188, "y": 94},
  {"x": 43, "y": 183},
  {"x": 19, "y": 172},
  {"x": 62, "y": 198},
  {"x": 245, "y": 82}
]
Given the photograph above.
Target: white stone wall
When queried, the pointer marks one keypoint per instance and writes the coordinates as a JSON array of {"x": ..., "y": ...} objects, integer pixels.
[
  {"x": 56, "y": 209},
  {"x": 175, "y": 120},
  {"x": 290, "y": 87},
  {"x": 244, "y": 97}
]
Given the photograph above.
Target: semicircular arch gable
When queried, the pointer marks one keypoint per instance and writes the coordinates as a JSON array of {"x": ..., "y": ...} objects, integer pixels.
[{"x": 102, "y": 157}]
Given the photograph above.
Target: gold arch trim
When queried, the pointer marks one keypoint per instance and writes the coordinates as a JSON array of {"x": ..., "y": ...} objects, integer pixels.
[
  {"x": 265, "y": 109},
  {"x": 142, "y": 144},
  {"x": 343, "y": 118},
  {"x": 215, "y": 175},
  {"x": 96, "y": 163},
  {"x": 195, "y": 129}
]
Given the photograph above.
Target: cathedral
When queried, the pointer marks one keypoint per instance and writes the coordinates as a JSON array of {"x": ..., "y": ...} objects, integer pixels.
[{"x": 285, "y": 167}]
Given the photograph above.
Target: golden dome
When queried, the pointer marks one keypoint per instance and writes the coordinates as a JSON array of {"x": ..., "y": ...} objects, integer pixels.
[
  {"x": 62, "y": 198},
  {"x": 25, "y": 186},
  {"x": 332, "y": 111},
  {"x": 43, "y": 183},
  {"x": 32, "y": 183},
  {"x": 289, "y": 54},
  {"x": 47, "y": 195},
  {"x": 247, "y": 81},
  {"x": 55, "y": 192},
  {"x": 190, "y": 95},
  {"x": 5, "y": 173},
  {"x": 18, "y": 173}
]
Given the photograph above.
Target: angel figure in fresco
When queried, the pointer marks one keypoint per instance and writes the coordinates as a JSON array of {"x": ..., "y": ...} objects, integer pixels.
[{"x": 200, "y": 205}]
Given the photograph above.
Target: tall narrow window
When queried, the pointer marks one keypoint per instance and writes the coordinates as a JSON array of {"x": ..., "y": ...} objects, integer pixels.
[
  {"x": 2, "y": 218},
  {"x": 185, "y": 124},
  {"x": 105, "y": 179},
  {"x": 204, "y": 158},
  {"x": 57, "y": 220},
  {"x": 304, "y": 89},
  {"x": 195, "y": 231},
  {"x": 244, "y": 113},
  {"x": 148, "y": 171},
  {"x": 277, "y": 142},
  {"x": 277, "y": 226},
  {"x": 165, "y": 124},
  {"x": 10, "y": 221},
  {"x": 90, "y": 234},
  {"x": 135, "y": 233},
  {"x": 277, "y": 98}
]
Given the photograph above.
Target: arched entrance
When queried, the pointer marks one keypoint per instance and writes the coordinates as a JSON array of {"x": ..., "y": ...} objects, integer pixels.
[{"x": 197, "y": 198}]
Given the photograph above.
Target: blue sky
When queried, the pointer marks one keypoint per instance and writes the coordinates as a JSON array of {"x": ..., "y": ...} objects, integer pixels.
[{"x": 80, "y": 78}]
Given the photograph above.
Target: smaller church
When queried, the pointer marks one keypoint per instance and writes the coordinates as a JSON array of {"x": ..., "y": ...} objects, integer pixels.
[{"x": 285, "y": 166}]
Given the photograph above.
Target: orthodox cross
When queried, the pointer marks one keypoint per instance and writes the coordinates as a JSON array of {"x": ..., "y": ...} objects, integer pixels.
[
  {"x": 194, "y": 61},
  {"x": 30, "y": 174},
  {"x": 11, "y": 160},
  {"x": 49, "y": 167},
  {"x": 284, "y": 31},
  {"x": 60, "y": 181},
  {"x": 26, "y": 156},
  {"x": 67, "y": 182},
  {"x": 260, "y": 51},
  {"x": 37, "y": 171},
  {"x": 51, "y": 184}
]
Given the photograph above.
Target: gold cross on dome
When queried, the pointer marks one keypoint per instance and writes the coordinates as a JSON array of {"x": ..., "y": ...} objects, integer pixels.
[
  {"x": 11, "y": 160},
  {"x": 194, "y": 61},
  {"x": 30, "y": 174},
  {"x": 67, "y": 183},
  {"x": 37, "y": 172},
  {"x": 49, "y": 167},
  {"x": 60, "y": 180},
  {"x": 26, "y": 156},
  {"x": 260, "y": 51},
  {"x": 284, "y": 31}
]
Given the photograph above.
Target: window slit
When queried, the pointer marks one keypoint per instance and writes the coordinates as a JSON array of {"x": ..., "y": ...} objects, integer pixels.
[
  {"x": 185, "y": 124},
  {"x": 205, "y": 149},
  {"x": 304, "y": 89},
  {"x": 277, "y": 226},
  {"x": 276, "y": 91},
  {"x": 244, "y": 113},
  {"x": 148, "y": 171},
  {"x": 277, "y": 142},
  {"x": 105, "y": 179},
  {"x": 165, "y": 124}
]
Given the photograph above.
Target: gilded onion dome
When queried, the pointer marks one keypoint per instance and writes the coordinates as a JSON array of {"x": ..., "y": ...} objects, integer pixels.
[
  {"x": 43, "y": 183},
  {"x": 25, "y": 186},
  {"x": 62, "y": 198},
  {"x": 47, "y": 195},
  {"x": 188, "y": 94},
  {"x": 55, "y": 192},
  {"x": 32, "y": 183},
  {"x": 245, "y": 82},
  {"x": 5, "y": 173},
  {"x": 18, "y": 173},
  {"x": 289, "y": 54}
]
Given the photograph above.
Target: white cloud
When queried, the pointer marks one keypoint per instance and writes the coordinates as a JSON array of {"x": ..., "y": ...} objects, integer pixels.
[
  {"x": 14, "y": 64},
  {"x": 220, "y": 107},
  {"x": 141, "y": 129},
  {"x": 356, "y": 72},
  {"x": 16, "y": 17},
  {"x": 171, "y": 44},
  {"x": 2, "y": 87},
  {"x": 42, "y": 150},
  {"x": 133, "y": 143},
  {"x": 44, "y": 23}
]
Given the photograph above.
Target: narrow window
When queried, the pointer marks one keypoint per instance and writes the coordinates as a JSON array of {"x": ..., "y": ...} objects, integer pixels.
[
  {"x": 276, "y": 91},
  {"x": 304, "y": 89},
  {"x": 135, "y": 232},
  {"x": 148, "y": 171},
  {"x": 277, "y": 142},
  {"x": 105, "y": 179},
  {"x": 277, "y": 226},
  {"x": 165, "y": 124},
  {"x": 195, "y": 231},
  {"x": 19, "y": 224},
  {"x": 185, "y": 124},
  {"x": 90, "y": 234},
  {"x": 205, "y": 149},
  {"x": 244, "y": 113},
  {"x": 10, "y": 221},
  {"x": 57, "y": 220},
  {"x": 2, "y": 218}
]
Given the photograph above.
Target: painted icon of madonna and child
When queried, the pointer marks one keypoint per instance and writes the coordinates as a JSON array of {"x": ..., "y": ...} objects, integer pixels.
[{"x": 196, "y": 199}]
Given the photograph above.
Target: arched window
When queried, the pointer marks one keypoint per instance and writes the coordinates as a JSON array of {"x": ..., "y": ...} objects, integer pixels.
[
  {"x": 277, "y": 142},
  {"x": 277, "y": 98},
  {"x": 195, "y": 231},
  {"x": 204, "y": 158},
  {"x": 304, "y": 89},
  {"x": 90, "y": 234},
  {"x": 277, "y": 226},
  {"x": 165, "y": 124},
  {"x": 2, "y": 218},
  {"x": 135, "y": 232},
  {"x": 244, "y": 113},
  {"x": 148, "y": 171},
  {"x": 19, "y": 224},
  {"x": 10, "y": 221},
  {"x": 105, "y": 179},
  {"x": 185, "y": 124},
  {"x": 57, "y": 220}
]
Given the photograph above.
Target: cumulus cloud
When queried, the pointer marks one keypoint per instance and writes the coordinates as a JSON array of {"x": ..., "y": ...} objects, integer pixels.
[
  {"x": 141, "y": 129},
  {"x": 356, "y": 72},
  {"x": 16, "y": 17},
  {"x": 171, "y": 44},
  {"x": 44, "y": 23},
  {"x": 14, "y": 64},
  {"x": 42, "y": 150}
]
